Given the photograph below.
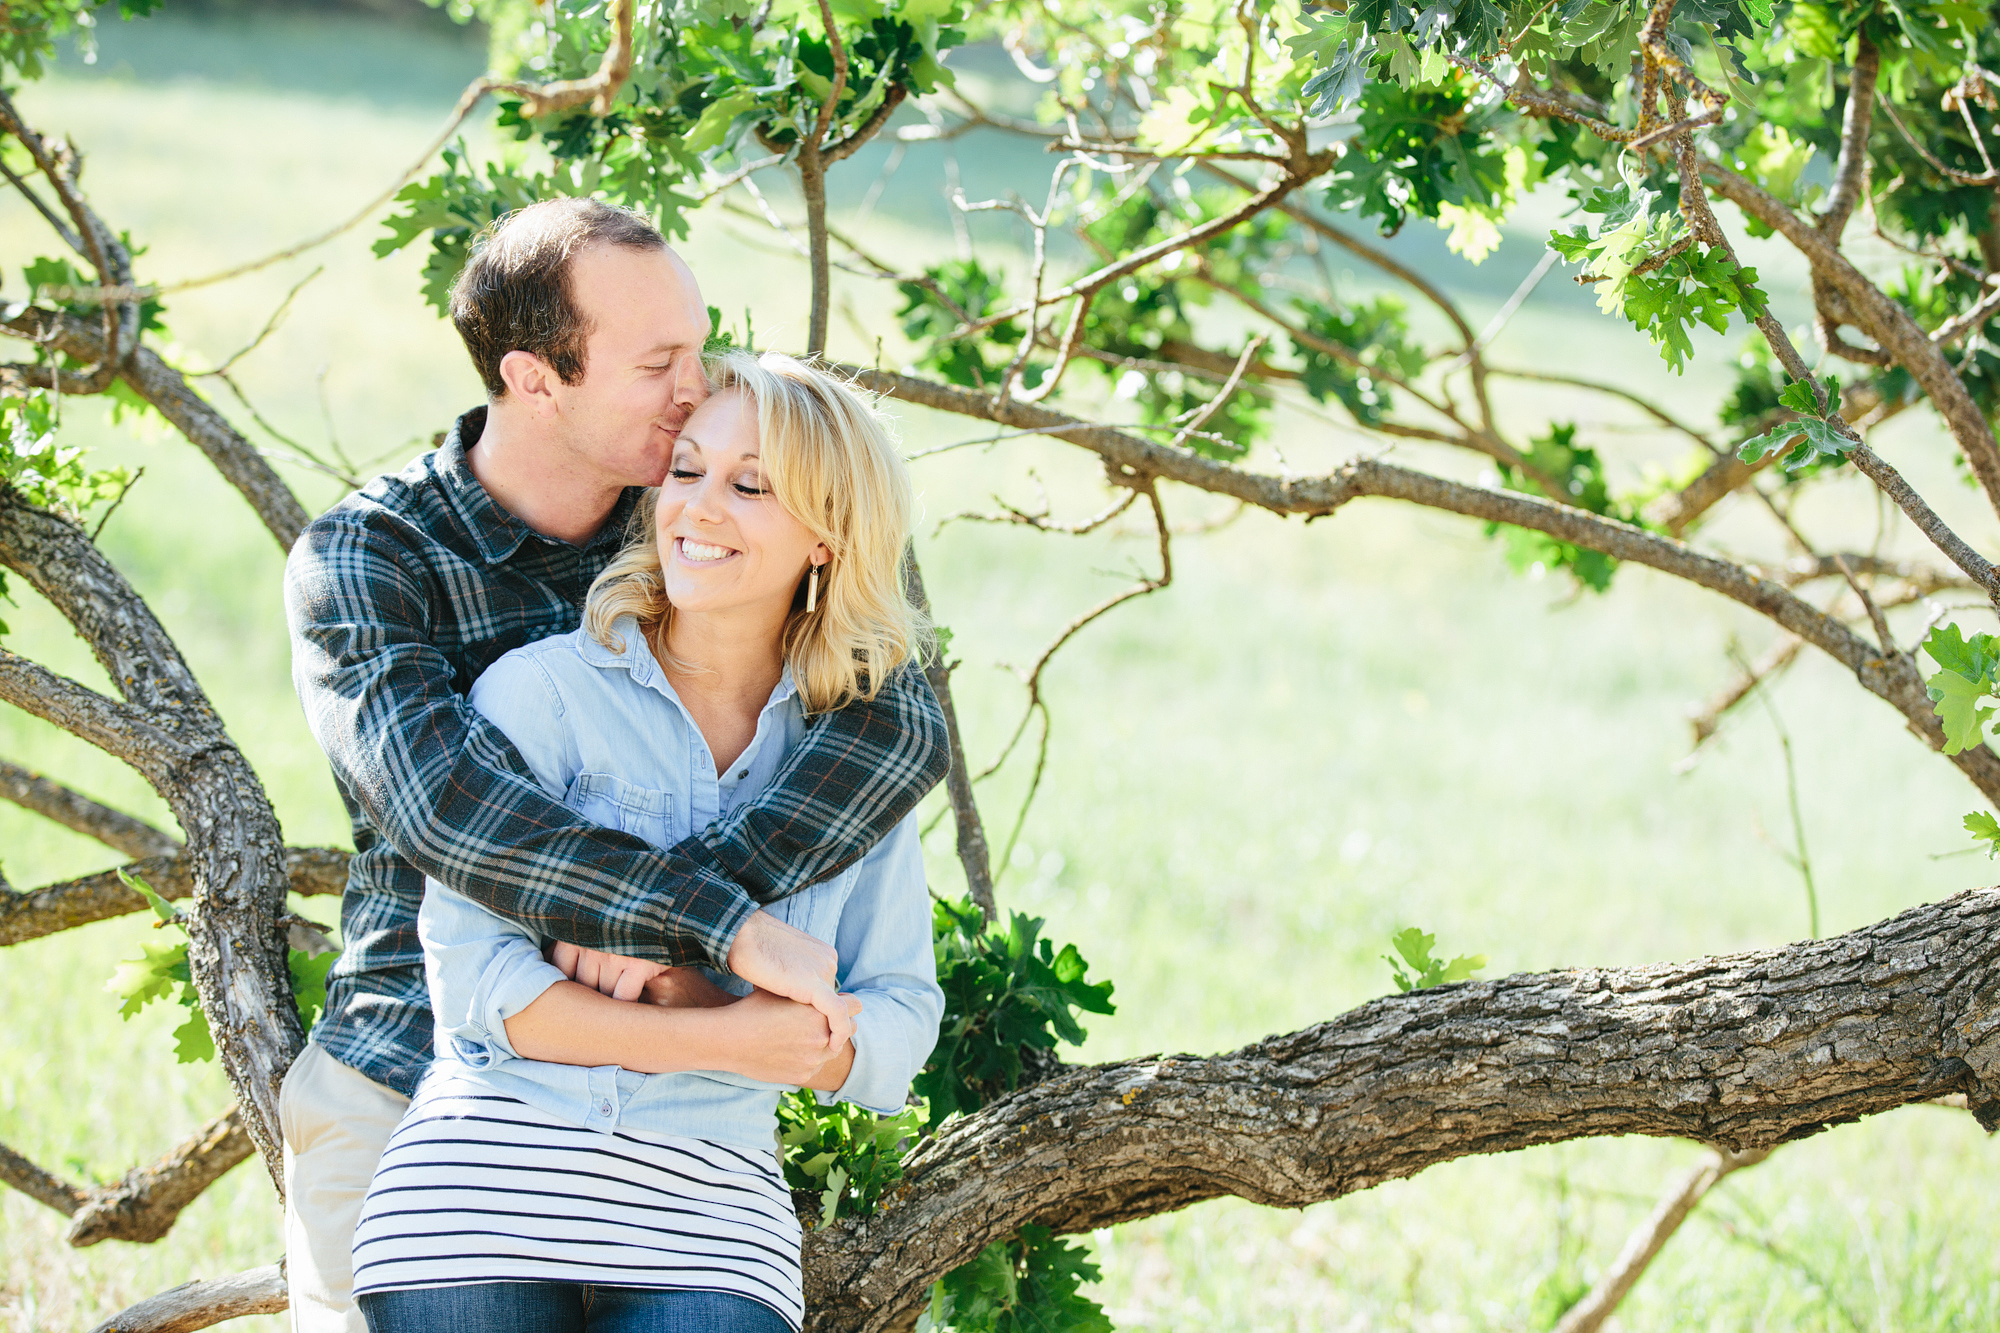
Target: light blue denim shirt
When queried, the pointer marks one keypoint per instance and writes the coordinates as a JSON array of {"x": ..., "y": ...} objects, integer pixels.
[{"x": 605, "y": 733}]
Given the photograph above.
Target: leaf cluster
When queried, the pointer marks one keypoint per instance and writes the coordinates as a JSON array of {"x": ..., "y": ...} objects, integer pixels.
[
  {"x": 712, "y": 81},
  {"x": 1027, "y": 1284},
  {"x": 1005, "y": 991},
  {"x": 1646, "y": 268},
  {"x": 161, "y": 972},
  {"x": 40, "y": 470},
  {"x": 30, "y": 29},
  {"x": 1426, "y": 971},
  {"x": 847, "y": 1154},
  {"x": 1419, "y": 149},
  {"x": 1820, "y": 441},
  {"x": 1580, "y": 481},
  {"x": 1969, "y": 676}
]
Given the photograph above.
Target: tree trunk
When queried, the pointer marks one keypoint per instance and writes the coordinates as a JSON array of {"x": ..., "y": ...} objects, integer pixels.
[{"x": 165, "y": 729}]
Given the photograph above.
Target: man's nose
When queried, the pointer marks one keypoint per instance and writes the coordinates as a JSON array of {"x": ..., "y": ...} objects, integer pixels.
[{"x": 690, "y": 383}]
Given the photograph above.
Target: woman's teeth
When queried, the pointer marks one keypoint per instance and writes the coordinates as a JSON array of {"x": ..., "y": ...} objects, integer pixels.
[{"x": 702, "y": 551}]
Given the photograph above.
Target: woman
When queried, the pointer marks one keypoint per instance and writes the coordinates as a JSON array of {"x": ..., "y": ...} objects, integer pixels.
[{"x": 573, "y": 1161}]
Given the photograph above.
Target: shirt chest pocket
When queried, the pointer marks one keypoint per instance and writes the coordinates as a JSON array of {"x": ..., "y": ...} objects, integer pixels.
[
  {"x": 816, "y": 910},
  {"x": 644, "y": 812}
]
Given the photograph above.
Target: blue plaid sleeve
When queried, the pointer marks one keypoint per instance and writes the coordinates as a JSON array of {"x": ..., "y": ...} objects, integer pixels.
[
  {"x": 450, "y": 792},
  {"x": 857, "y": 773}
]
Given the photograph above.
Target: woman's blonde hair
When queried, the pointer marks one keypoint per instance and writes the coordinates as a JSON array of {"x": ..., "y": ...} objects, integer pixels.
[{"x": 829, "y": 461}]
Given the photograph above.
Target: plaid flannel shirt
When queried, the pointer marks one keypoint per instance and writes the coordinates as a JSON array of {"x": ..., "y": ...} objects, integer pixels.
[{"x": 397, "y": 599}]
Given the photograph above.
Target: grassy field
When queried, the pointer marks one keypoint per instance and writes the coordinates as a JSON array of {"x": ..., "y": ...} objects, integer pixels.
[{"x": 1316, "y": 736}]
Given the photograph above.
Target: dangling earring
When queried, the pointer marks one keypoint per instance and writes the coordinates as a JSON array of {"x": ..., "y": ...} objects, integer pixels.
[{"x": 812, "y": 590}]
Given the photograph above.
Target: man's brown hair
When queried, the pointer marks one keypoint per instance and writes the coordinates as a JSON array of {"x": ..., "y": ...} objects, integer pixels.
[{"x": 514, "y": 295}]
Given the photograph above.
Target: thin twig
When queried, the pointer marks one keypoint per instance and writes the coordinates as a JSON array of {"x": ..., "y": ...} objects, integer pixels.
[
  {"x": 537, "y": 100},
  {"x": 1222, "y": 395},
  {"x": 270, "y": 327},
  {"x": 123, "y": 491},
  {"x": 973, "y": 854},
  {"x": 1031, "y": 679},
  {"x": 1801, "y": 857},
  {"x": 1650, "y": 1237}
]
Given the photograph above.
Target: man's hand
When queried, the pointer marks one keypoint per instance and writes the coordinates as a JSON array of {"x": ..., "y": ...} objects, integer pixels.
[
  {"x": 686, "y": 988},
  {"x": 783, "y": 1041},
  {"x": 786, "y": 961},
  {"x": 610, "y": 974}
]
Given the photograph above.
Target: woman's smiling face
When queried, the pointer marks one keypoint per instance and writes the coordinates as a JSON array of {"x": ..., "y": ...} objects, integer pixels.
[{"x": 725, "y": 542}]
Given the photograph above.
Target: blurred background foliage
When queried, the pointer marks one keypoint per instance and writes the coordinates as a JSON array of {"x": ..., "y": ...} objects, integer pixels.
[{"x": 1318, "y": 736}]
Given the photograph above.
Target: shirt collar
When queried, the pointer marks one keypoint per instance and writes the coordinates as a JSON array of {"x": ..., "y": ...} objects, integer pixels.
[
  {"x": 496, "y": 533},
  {"x": 637, "y": 658}
]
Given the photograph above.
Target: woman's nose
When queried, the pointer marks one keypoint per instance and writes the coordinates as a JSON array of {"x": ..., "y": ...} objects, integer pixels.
[{"x": 703, "y": 505}]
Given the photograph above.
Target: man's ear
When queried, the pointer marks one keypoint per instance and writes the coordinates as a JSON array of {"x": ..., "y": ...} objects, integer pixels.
[{"x": 530, "y": 380}]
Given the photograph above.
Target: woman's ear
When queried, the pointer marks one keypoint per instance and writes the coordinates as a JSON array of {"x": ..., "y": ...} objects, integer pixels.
[{"x": 819, "y": 555}]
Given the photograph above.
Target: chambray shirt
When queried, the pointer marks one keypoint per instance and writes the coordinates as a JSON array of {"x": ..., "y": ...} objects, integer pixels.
[{"x": 605, "y": 734}]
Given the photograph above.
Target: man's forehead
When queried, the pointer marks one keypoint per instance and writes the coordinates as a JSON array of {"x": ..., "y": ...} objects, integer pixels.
[{"x": 641, "y": 285}]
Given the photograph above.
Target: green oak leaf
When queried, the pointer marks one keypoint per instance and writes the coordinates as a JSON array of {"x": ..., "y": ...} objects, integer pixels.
[
  {"x": 1984, "y": 828},
  {"x": 1957, "y": 701},
  {"x": 1976, "y": 659},
  {"x": 153, "y": 975}
]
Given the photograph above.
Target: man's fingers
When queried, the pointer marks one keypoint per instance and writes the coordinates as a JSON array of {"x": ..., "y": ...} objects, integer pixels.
[
  {"x": 630, "y": 983},
  {"x": 839, "y": 1017}
]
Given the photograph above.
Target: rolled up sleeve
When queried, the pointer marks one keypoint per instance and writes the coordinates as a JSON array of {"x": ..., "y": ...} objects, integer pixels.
[{"x": 482, "y": 971}]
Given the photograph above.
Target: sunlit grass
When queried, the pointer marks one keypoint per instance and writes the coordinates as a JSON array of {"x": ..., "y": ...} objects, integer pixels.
[{"x": 1318, "y": 735}]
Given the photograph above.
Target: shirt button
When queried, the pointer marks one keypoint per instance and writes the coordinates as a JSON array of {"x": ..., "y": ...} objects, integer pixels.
[
  {"x": 744, "y": 774},
  {"x": 604, "y": 1108}
]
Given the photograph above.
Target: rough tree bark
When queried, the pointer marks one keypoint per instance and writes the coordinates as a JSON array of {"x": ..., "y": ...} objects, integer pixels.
[
  {"x": 165, "y": 728},
  {"x": 195, "y": 1305},
  {"x": 78, "y": 902},
  {"x": 1740, "y": 1052}
]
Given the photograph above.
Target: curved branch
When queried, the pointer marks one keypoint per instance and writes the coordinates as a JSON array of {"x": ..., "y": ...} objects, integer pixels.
[
  {"x": 1880, "y": 318},
  {"x": 168, "y": 391},
  {"x": 1850, "y": 173},
  {"x": 1739, "y": 1052},
  {"x": 1893, "y": 679},
  {"x": 1268, "y": 197},
  {"x": 40, "y": 1184},
  {"x": 31, "y": 915},
  {"x": 194, "y": 1305},
  {"x": 143, "y": 1206},
  {"x": 120, "y": 730},
  {"x": 73, "y": 810}
]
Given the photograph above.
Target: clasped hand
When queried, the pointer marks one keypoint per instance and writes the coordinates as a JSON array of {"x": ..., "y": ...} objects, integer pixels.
[{"x": 776, "y": 1039}]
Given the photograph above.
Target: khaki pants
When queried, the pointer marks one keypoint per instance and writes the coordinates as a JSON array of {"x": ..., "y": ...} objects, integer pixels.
[{"x": 336, "y": 1121}]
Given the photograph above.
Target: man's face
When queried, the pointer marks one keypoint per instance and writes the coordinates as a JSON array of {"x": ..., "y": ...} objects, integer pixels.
[{"x": 642, "y": 370}]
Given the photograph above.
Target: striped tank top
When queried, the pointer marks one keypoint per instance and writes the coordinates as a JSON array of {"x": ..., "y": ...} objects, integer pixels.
[{"x": 478, "y": 1187}]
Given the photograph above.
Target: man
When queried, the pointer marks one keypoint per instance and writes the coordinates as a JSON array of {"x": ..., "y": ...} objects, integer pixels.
[{"x": 587, "y": 331}]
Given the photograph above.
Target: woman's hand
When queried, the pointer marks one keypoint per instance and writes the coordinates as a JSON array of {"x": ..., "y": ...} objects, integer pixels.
[
  {"x": 776, "y": 1040},
  {"x": 610, "y": 974}
]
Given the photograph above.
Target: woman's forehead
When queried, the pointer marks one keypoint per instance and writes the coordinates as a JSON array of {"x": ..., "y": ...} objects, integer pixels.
[{"x": 725, "y": 424}]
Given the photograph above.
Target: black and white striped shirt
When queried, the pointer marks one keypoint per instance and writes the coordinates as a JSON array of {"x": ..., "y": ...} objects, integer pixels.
[{"x": 478, "y": 1187}]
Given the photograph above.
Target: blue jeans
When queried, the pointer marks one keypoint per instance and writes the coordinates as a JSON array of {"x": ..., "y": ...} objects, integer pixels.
[{"x": 564, "y": 1307}]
